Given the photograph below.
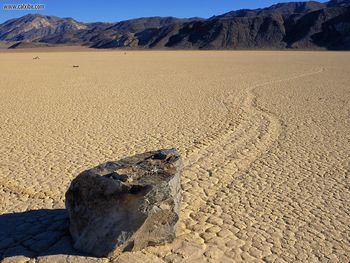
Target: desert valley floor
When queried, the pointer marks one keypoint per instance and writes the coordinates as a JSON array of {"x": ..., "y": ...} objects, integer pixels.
[{"x": 265, "y": 138}]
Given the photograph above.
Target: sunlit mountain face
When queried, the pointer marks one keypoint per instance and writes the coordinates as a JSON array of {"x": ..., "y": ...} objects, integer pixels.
[{"x": 286, "y": 25}]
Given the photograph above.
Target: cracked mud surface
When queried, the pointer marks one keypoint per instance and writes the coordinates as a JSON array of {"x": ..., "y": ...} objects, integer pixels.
[{"x": 264, "y": 137}]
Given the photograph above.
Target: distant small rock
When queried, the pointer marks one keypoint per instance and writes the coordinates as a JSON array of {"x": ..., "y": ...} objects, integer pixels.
[{"x": 126, "y": 205}]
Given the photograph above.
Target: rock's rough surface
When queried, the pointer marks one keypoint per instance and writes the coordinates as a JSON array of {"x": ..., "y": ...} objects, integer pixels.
[{"x": 126, "y": 205}]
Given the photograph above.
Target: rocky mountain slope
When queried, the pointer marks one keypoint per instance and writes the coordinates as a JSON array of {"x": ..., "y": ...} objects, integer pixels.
[
  {"x": 34, "y": 27},
  {"x": 304, "y": 25}
]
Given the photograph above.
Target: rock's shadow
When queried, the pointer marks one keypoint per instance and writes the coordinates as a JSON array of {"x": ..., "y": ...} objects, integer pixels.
[{"x": 35, "y": 233}]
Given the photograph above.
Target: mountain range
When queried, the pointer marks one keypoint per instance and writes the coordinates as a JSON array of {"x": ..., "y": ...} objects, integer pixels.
[{"x": 295, "y": 25}]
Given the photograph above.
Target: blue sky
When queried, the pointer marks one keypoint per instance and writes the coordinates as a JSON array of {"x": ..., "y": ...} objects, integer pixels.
[{"x": 116, "y": 10}]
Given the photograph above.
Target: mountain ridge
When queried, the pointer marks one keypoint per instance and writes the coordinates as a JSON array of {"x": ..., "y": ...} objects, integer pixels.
[{"x": 296, "y": 25}]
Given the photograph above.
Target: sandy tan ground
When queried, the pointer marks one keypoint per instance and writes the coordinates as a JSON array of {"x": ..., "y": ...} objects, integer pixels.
[{"x": 265, "y": 137}]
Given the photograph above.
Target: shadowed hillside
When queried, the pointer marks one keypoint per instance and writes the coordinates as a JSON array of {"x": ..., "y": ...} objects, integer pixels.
[{"x": 304, "y": 25}]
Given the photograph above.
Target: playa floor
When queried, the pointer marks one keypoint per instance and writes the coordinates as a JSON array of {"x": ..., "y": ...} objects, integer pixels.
[{"x": 265, "y": 138}]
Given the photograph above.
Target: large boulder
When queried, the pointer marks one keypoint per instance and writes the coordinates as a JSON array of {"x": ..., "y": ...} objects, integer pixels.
[{"x": 126, "y": 205}]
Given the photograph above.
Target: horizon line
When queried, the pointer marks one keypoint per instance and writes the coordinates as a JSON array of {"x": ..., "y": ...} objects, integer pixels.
[{"x": 33, "y": 12}]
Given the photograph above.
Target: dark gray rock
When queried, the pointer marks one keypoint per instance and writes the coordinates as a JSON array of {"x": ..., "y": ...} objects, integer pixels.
[{"x": 126, "y": 205}]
